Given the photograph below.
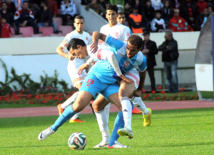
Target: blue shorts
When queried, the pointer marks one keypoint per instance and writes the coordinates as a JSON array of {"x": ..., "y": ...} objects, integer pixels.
[{"x": 94, "y": 86}]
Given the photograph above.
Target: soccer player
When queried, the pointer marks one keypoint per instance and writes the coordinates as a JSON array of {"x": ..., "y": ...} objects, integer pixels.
[
  {"x": 99, "y": 79},
  {"x": 74, "y": 63}
]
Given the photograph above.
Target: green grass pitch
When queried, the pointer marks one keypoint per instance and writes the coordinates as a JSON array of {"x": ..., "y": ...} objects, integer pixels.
[{"x": 189, "y": 131}]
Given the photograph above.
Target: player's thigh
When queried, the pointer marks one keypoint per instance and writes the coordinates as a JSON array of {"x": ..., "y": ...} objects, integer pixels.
[
  {"x": 99, "y": 103},
  {"x": 82, "y": 101},
  {"x": 111, "y": 93}
]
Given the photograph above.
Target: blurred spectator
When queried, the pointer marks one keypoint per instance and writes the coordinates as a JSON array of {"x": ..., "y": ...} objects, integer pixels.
[
  {"x": 24, "y": 17},
  {"x": 157, "y": 23},
  {"x": 18, "y": 4},
  {"x": 85, "y": 2},
  {"x": 210, "y": 10},
  {"x": 167, "y": 12},
  {"x": 33, "y": 6},
  {"x": 5, "y": 29},
  {"x": 135, "y": 21},
  {"x": 4, "y": 13},
  {"x": 201, "y": 5},
  {"x": 179, "y": 24},
  {"x": 98, "y": 8},
  {"x": 189, "y": 11},
  {"x": 148, "y": 11},
  {"x": 120, "y": 4},
  {"x": 129, "y": 4},
  {"x": 11, "y": 6},
  {"x": 52, "y": 5},
  {"x": 121, "y": 18},
  {"x": 210, "y": 3},
  {"x": 44, "y": 16},
  {"x": 170, "y": 56},
  {"x": 149, "y": 49},
  {"x": 200, "y": 21},
  {"x": 103, "y": 3},
  {"x": 157, "y": 4},
  {"x": 68, "y": 11}
]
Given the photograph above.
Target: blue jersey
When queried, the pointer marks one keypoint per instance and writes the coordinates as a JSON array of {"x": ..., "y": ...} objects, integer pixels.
[{"x": 103, "y": 69}]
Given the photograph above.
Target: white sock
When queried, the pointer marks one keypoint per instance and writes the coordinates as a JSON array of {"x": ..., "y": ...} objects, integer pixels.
[
  {"x": 103, "y": 125},
  {"x": 127, "y": 111},
  {"x": 70, "y": 100},
  {"x": 138, "y": 102},
  {"x": 75, "y": 116},
  {"x": 107, "y": 110}
]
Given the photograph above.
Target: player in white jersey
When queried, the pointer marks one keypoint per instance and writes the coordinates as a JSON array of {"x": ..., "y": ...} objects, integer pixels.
[{"x": 74, "y": 63}]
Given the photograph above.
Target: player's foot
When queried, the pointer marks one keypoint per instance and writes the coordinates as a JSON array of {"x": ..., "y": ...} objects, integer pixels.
[
  {"x": 126, "y": 132},
  {"x": 77, "y": 120},
  {"x": 60, "y": 109},
  {"x": 101, "y": 144},
  {"x": 45, "y": 133},
  {"x": 136, "y": 111},
  {"x": 147, "y": 118},
  {"x": 118, "y": 145}
]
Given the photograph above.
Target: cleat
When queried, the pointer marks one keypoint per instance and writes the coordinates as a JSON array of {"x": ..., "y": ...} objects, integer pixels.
[
  {"x": 60, "y": 109},
  {"x": 77, "y": 120},
  {"x": 118, "y": 145},
  {"x": 147, "y": 118},
  {"x": 126, "y": 132},
  {"x": 136, "y": 111},
  {"x": 45, "y": 133},
  {"x": 101, "y": 144}
]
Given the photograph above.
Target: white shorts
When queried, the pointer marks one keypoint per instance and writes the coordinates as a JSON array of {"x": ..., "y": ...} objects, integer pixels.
[
  {"x": 134, "y": 75},
  {"x": 72, "y": 68}
]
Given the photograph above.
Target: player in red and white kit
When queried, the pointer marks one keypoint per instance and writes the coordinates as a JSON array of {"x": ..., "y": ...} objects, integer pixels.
[{"x": 74, "y": 63}]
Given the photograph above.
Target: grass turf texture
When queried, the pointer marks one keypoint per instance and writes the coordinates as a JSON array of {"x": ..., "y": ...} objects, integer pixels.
[{"x": 188, "y": 131}]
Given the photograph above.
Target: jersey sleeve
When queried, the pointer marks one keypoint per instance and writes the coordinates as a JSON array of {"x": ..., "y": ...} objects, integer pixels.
[
  {"x": 66, "y": 40},
  {"x": 113, "y": 42},
  {"x": 89, "y": 39},
  {"x": 126, "y": 33},
  {"x": 143, "y": 65}
]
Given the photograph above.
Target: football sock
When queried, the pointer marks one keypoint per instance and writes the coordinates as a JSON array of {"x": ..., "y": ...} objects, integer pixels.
[
  {"x": 70, "y": 100},
  {"x": 107, "y": 110},
  {"x": 103, "y": 125},
  {"x": 118, "y": 123},
  {"x": 75, "y": 116},
  {"x": 67, "y": 113},
  {"x": 138, "y": 102},
  {"x": 127, "y": 111}
]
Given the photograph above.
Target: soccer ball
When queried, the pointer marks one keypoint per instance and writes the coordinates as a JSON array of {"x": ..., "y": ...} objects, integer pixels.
[{"x": 77, "y": 141}]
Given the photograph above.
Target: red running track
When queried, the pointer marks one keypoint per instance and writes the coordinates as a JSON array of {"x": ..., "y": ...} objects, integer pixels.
[{"x": 49, "y": 111}]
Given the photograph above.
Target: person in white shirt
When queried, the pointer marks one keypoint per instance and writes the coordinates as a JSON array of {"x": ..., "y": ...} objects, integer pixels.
[
  {"x": 68, "y": 10},
  {"x": 158, "y": 23},
  {"x": 74, "y": 63},
  {"x": 157, "y": 4}
]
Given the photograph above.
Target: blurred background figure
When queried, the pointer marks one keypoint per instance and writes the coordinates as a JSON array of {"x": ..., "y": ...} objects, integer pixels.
[
  {"x": 149, "y": 49},
  {"x": 179, "y": 24},
  {"x": 68, "y": 12},
  {"x": 6, "y": 14},
  {"x": 200, "y": 21},
  {"x": 5, "y": 29},
  {"x": 170, "y": 56},
  {"x": 167, "y": 12},
  {"x": 157, "y": 23},
  {"x": 98, "y": 8},
  {"x": 157, "y": 4}
]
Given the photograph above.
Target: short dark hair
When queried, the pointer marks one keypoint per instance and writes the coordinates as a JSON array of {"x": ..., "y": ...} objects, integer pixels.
[
  {"x": 112, "y": 7},
  {"x": 136, "y": 41},
  {"x": 121, "y": 13},
  {"x": 44, "y": 2},
  {"x": 79, "y": 17},
  {"x": 74, "y": 42}
]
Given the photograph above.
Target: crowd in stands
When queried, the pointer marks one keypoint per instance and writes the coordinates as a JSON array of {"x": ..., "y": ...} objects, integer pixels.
[{"x": 141, "y": 15}]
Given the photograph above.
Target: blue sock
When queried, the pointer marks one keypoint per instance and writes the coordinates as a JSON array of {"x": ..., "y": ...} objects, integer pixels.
[
  {"x": 66, "y": 115},
  {"x": 119, "y": 123}
]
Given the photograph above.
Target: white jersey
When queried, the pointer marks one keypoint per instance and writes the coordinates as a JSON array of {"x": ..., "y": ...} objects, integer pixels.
[
  {"x": 118, "y": 31},
  {"x": 76, "y": 63}
]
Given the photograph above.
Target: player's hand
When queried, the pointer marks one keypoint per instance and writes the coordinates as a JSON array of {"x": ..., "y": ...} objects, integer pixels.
[
  {"x": 137, "y": 93},
  {"x": 82, "y": 67},
  {"x": 127, "y": 80},
  {"x": 94, "y": 47}
]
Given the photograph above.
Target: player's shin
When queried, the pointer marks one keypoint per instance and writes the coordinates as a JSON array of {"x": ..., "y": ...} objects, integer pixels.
[
  {"x": 70, "y": 100},
  {"x": 103, "y": 125},
  {"x": 66, "y": 115},
  {"x": 127, "y": 111},
  {"x": 140, "y": 104},
  {"x": 119, "y": 123}
]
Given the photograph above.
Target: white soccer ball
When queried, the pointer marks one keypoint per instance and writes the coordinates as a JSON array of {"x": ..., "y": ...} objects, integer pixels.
[{"x": 77, "y": 141}]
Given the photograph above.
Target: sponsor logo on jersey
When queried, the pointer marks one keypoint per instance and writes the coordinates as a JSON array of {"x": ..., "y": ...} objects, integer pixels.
[
  {"x": 126, "y": 64},
  {"x": 116, "y": 34}
]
